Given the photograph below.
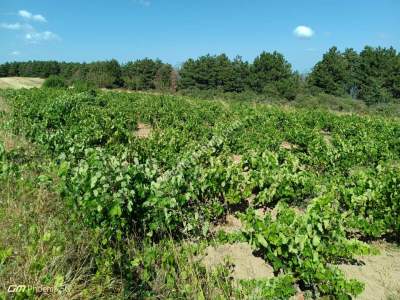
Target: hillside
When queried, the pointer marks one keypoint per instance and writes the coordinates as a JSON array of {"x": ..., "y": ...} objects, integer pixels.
[{"x": 150, "y": 195}]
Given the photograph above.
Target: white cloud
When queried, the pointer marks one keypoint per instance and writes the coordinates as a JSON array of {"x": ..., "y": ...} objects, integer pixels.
[
  {"x": 303, "y": 32},
  {"x": 14, "y": 26},
  {"x": 35, "y": 37},
  {"x": 25, "y": 14},
  {"x": 15, "y": 53},
  {"x": 29, "y": 16},
  {"x": 30, "y": 34},
  {"x": 17, "y": 26},
  {"x": 39, "y": 18}
]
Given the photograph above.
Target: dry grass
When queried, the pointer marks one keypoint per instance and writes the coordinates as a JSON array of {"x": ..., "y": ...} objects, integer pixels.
[
  {"x": 3, "y": 106},
  {"x": 9, "y": 140},
  {"x": 39, "y": 243},
  {"x": 46, "y": 249},
  {"x": 20, "y": 82}
]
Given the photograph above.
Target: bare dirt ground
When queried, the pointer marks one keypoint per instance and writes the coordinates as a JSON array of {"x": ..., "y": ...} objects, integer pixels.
[
  {"x": 20, "y": 82},
  {"x": 380, "y": 273},
  {"x": 143, "y": 130},
  {"x": 231, "y": 225},
  {"x": 240, "y": 255},
  {"x": 288, "y": 146},
  {"x": 236, "y": 158}
]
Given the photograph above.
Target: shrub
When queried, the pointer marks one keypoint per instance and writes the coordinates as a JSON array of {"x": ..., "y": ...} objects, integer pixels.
[
  {"x": 83, "y": 86},
  {"x": 55, "y": 81}
]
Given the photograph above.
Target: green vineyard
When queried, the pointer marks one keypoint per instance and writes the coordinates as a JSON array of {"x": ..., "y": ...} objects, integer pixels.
[{"x": 151, "y": 178}]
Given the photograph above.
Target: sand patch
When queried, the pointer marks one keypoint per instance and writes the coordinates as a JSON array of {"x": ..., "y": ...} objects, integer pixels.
[
  {"x": 20, "y": 82},
  {"x": 143, "y": 131},
  {"x": 251, "y": 198},
  {"x": 240, "y": 255},
  {"x": 262, "y": 211},
  {"x": 236, "y": 158},
  {"x": 231, "y": 225},
  {"x": 12, "y": 142},
  {"x": 380, "y": 273},
  {"x": 288, "y": 146}
]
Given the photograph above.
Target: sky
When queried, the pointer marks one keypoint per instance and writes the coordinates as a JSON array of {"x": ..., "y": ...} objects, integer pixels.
[{"x": 174, "y": 30}]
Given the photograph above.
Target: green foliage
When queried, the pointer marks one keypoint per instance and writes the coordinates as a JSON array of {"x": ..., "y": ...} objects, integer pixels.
[
  {"x": 372, "y": 75},
  {"x": 280, "y": 287},
  {"x": 269, "y": 74},
  {"x": 378, "y": 74},
  {"x": 371, "y": 197},
  {"x": 214, "y": 72},
  {"x": 83, "y": 86},
  {"x": 105, "y": 74},
  {"x": 182, "y": 178},
  {"x": 147, "y": 74},
  {"x": 269, "y": 70},
  {"x": 330, "y": 74},
  {"x": 41, "y": 69},
  {"x": 54, "y": 82},
  {"x": 307, "y": 244}
]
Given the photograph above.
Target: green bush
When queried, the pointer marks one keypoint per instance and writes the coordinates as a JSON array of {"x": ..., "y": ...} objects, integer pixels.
[
  {"x": 55, "y": 81},
  {"x": 83, "y": 86}
]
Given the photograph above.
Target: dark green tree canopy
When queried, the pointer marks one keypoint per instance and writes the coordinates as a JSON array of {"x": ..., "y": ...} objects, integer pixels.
[
  {"x": 372, "y": 75},
  {"x": 269, "y": 68},
  {"x": 146, "y": 74},
  {"x": 331, "y": 73}
]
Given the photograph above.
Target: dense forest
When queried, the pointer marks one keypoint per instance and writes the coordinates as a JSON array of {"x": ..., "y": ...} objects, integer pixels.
[{"x": 373, "y": 75}]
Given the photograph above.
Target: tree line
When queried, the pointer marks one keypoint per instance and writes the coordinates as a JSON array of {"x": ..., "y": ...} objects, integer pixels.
[{"x": 372, "y": 75}]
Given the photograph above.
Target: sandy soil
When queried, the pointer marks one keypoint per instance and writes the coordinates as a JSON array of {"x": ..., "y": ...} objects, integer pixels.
[
  {"x": 231, "y": 225},
  {"x": 288, "y": 146},
  {"x": 236, "y": 158},
  {"x": 143, "y": 130},
  {"x": 20, "y": 82},
  {"x": 240, "y": 255},
  {"x": 380, "y": 273}
]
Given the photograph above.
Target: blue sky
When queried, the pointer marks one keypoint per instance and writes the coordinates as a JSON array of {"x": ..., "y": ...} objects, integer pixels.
[{"x": 174, "y": 30}]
